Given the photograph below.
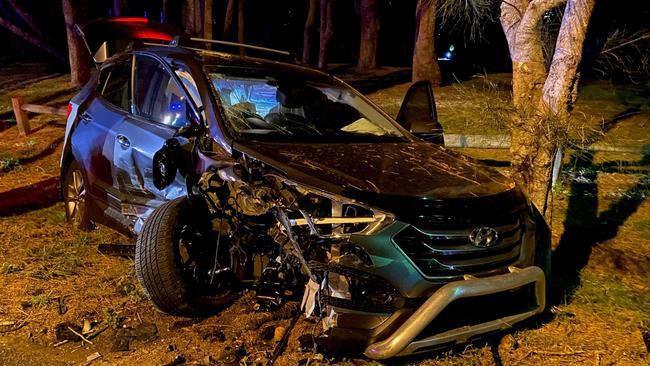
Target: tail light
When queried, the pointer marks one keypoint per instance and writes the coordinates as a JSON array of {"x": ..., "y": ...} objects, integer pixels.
[{"x": 69, "y": 110}]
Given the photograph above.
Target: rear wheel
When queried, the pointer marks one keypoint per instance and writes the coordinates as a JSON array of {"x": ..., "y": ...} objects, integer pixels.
[
  {"x": 182, "y": 264},
  {"x": 75, "y": 197}
]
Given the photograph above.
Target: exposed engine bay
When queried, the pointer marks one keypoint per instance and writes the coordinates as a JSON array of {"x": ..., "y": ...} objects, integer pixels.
[{"x": 287, "y": 240}]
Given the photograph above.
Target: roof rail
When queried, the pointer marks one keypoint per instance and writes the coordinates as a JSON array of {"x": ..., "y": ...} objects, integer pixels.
[
  {"x": 182, "y": 42},
  {"x": 243, "y": 45}
]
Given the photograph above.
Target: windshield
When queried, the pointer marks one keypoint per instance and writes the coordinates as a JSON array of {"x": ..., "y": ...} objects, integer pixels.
[{"x": 286, "y": 108}]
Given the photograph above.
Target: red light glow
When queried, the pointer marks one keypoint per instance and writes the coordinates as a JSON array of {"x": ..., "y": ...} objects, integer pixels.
[{"x": 130, "y": 20}]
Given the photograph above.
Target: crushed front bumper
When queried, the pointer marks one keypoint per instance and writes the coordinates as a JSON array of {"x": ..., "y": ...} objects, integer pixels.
[{"x": 403, "y": 341}]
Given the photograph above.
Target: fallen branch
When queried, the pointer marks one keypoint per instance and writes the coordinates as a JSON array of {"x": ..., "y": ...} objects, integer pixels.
[
  {"x": 14, "y": 327},
  {"x": 80, "y": 336},
  {"x": 60, "y": 343}
]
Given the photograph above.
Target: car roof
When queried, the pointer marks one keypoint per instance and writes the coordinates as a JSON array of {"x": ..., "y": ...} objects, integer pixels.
[{"x": 232, "y": 61}]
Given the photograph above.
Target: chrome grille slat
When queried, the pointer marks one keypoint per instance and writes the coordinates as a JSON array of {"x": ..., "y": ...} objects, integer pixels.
[{"x": 445, "y": 252}]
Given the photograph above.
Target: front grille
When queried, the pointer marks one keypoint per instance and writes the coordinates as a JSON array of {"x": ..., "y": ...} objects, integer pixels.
[{"x": 448, "y": 253}]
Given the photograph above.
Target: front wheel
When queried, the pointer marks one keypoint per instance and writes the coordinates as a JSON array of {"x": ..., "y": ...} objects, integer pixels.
[{"x": 182, "y": 264}]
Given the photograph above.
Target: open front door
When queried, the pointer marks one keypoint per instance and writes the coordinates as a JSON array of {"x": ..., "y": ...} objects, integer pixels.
[{"x": 418, "y": 113}]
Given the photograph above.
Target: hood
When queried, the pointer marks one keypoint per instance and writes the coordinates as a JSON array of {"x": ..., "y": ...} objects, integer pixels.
[{"x": 409, "y": 169}]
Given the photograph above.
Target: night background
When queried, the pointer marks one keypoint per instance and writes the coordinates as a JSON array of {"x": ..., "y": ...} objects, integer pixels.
[{"x": 279, "y": 24}]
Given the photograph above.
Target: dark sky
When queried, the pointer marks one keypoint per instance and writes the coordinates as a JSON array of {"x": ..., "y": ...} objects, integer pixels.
[{"x": 279, "y": 24}]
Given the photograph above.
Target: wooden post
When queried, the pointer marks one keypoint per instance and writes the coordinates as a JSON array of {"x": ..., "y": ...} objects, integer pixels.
[{"x": 21, "y": 116}]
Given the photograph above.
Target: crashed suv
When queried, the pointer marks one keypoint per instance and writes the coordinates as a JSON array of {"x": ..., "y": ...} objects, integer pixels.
[{"x": 239, "y": 172}]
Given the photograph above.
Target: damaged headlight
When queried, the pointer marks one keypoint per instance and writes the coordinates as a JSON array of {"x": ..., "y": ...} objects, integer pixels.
[
  {"x": 332, "y": 216},
  {"x": 356, "y": 290}
]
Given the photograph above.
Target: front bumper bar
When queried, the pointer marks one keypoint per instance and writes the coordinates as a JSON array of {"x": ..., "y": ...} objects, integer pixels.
[{"x": 401, "y": 342}]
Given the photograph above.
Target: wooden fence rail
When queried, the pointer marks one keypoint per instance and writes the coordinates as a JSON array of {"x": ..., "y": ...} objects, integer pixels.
[{"x": 21, "y": 109}]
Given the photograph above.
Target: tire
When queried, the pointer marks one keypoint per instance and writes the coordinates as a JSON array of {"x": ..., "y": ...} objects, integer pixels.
[
  {"x": 75, "y": 197},
  {"x": 159, "y": 268}
]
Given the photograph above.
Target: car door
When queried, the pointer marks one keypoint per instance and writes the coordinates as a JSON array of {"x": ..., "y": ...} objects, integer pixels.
[
  {"x": 93, "y": 138},
  {"x": 160, "y": 108}
]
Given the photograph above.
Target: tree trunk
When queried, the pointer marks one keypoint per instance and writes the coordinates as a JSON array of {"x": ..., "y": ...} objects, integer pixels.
[
  {"x": 230, "y": 14},
  {"x": 425, "y": 62},
  {"x": 542, "y": 100},
  {"x": 117, "y": 8},
  {"x": 77, "y": 53},
  {"x": 198, "y": 19},
  {"x": 240, "y": 26},
  {"x": 165, "y": 11},
  {"x": 369, "y": 30},
  {"x": 190, "y": 10},
  {"x": 207, "y": 19},
  {"x": 326, "y": 32},
  {"x": 310, "y": 23}
]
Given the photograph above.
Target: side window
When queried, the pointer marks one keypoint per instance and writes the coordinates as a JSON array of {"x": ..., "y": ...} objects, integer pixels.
[
  {"x": 115, "y": 84},
  {"x": 157, "y": 95}
]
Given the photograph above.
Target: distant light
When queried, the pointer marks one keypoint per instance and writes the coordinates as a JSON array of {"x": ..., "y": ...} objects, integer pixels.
[{"x": 448, "y": 55}]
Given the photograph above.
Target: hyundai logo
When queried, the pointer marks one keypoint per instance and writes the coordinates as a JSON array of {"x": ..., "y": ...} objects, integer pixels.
[{"x": 483, "y": 237}]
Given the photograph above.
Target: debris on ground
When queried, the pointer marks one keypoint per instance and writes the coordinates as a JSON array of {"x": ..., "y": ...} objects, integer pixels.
[
  {"x": 143, "y": 332},
  {"x": 93, "y": 357},
  {"x": 68, "y": 331}
]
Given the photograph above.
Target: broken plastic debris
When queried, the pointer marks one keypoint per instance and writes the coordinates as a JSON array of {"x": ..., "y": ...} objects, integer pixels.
[{"x": 309, "y": 298}]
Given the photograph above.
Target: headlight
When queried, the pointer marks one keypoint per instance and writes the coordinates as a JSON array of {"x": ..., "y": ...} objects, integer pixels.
[{"x": 332, "y": 216}]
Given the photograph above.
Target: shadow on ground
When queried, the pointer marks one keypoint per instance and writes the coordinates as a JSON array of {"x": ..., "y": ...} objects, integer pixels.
[{"x": 584, "y": 226}]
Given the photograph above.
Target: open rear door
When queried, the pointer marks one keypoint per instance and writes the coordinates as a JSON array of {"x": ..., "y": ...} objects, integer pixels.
[{"x": 108, "y": 36}]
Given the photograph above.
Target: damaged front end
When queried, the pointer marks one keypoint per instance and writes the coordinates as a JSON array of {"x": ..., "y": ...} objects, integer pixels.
[{"x": 371, "y": 291}]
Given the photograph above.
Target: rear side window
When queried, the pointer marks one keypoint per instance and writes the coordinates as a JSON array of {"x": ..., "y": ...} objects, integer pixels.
[
  {"x": 115, "y": 84},
  {"x": 157, "y": 95}
]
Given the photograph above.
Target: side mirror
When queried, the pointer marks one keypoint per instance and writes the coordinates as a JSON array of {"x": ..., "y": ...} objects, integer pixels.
[
  {"x": 192, "y": 126},
  {"x": 418, "y": 113},
  {"x": 165, "y": 163}
]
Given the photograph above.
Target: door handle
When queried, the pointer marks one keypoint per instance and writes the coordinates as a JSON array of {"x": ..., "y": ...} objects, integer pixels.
[
  {"x": 123, "y": 141},
  {"x": 85, "y": 117}
]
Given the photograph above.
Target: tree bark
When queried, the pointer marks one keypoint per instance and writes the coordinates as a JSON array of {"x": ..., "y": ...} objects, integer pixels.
[
  {"x": 543, "y": 100},
  {"x": 77, "y": 53},
  {"x": 369, "y": 22},
  {"x": 117, "y": 8},
  {"x": 190, "y": 10},
  {"x": 310, "y": 23},
  {"x": 240, "y": 26},
  {"x": 165, "y": 10},
  {"x": 230, "y": 14},
  {"x": 31, "y": 39},
  {"x": 198, "y": 18},
  {"x": 326, "y": 32},
  {"x": 207, "y": 19},
  {"x": 425, "y": 63}
]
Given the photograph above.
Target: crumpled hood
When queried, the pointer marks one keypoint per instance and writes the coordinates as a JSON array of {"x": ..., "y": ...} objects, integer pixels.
[{"x": 414, "y": 169}]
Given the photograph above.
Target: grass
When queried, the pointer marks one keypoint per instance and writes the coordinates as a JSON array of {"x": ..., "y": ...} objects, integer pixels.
[
  {"x": 9, "y": 164},
  {"x": 482, "y": 105},
  {"x": 40, "y": 93}
]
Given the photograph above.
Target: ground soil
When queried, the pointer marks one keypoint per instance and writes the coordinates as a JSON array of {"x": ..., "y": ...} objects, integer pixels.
[{"x": 50, "y": 274}]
